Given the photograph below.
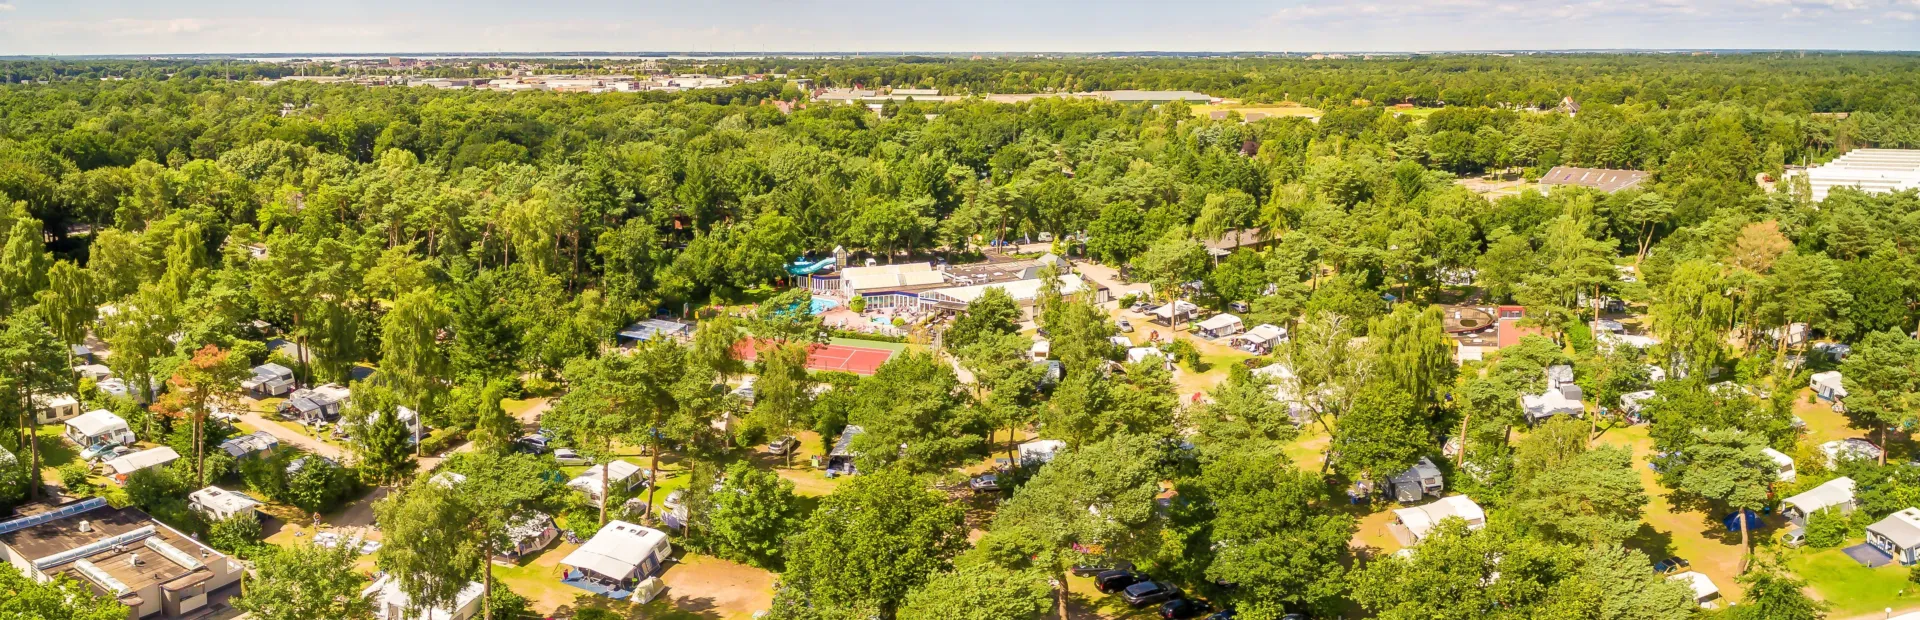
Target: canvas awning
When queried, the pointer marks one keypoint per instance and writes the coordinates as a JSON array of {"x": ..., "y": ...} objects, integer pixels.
[
  {"x": 1832, "y": 493},
  {"x": 619, "y": 549},
  {"x": 1177, "y": 307},
  {"x": 1703, "y": 587},
  {"x": 1264, "y": 333},
  {"x": 1219, "y": 322},
  {"x": 97, "y": 422},
  {"x": 142, "y": 460}
]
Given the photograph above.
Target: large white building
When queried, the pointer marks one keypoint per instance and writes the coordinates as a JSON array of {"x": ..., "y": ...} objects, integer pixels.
[{"x": 1870, "y": 170}]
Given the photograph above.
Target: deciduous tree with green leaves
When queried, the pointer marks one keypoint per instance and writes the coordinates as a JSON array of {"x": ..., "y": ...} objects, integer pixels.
[
  {"x": 1728, "y": 468},
  {"x": 1095, "y": 496},
  {"x": 875, "y": 539},
  {"x": 1882, "y": 378},
  {"x": 752, "y": 515},
  {"x": 306, "y": 581},
  {"x": 980, "y": 592}
]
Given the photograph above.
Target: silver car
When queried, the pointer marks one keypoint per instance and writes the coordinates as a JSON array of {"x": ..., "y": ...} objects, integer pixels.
[{"x": 566, "y": 456}]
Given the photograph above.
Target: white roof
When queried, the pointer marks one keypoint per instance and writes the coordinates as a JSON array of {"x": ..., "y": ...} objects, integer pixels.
[
  {"x": 1220, "y": 321},
  {"x": 222, "y": 500},
  {"x": 1167, "y": 311},
  {"x": 1139, "y": 353},
  {"x": 1779, "y": 458},
  {"x": 1702, "y": 585},
  {"x": 1274, "y": 371},
  {"x": 855, "y": 272},
  {"x": 618, "y": 549},
  {"x": 387, "y": 594},
  {"x": 1263, "y": 333},
  {"x": 1042, "y": 347},
  {"x": 589, "y": 480},
  {"x": 97, "y": 422},
  {"x": 1422, "y": 519},
  {"x": 1856, "y": 447},
  {"x": 1121, "y": 341},
  {"x": 1831, "y": 380},
  {"x": 1870, "y": 170},
  {"x": 1019, "y": 290},
  {"x": 1041, "y": 448},
  {"x": 142, "y": 460},
  {"x": 1835, "y": 492}
]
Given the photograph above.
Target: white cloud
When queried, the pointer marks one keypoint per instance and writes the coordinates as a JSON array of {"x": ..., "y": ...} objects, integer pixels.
[{"x": 4, "y": 7}]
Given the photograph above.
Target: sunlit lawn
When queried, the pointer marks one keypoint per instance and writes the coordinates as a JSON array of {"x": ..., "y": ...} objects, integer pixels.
[{"x": 1852, "y": 589}]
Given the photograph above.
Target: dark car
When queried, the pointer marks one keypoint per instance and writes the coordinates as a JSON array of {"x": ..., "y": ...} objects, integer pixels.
[
  {"x": 1149, "y": 593},
  {"x": 1095, "y": 566},
  {"x": 1117, "y": 580},
  {"x": 1222, "y": 615},
  {"x": 1180, "y": 608},
  {"x": 1671, "y": 566}
]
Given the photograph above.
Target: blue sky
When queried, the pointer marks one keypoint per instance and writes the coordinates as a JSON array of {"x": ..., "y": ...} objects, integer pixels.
[{"x": 350, "y": 26}]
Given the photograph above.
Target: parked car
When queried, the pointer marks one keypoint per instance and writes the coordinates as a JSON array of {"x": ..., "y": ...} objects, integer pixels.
[
  {"x": 566, "y": 456},
  {"x": 1124, "y": 325},
  {"x": 1672, "y": 566},
  {"x": 1140, "y": 307},
  {"x": 1228, "y": 615},
  {"x": 1117, "y": 580},
  {"x": 1794, "y": 537},
  {"x": 1095, "y": 566},
  {"x": 780, "y": 446},
  {"x": 107, "y": 452},
  {"x": 1181, "y": 608},
  {"x": 985, "y": 483},
  {"x": 1238, "y": 306},
  {"x": 533, "y": 444},
  {"x": 1149, "y": 593}
]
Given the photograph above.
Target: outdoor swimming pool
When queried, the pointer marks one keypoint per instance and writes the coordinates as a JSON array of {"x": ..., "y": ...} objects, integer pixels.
[{"x": 822, "y": 304}]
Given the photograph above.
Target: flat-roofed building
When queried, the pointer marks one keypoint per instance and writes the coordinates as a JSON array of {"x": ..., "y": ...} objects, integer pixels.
[
  {"x": 1874, "y": 171},
  {"x": 121, "y": 553},
  {"x": 1602, "y": 179}
]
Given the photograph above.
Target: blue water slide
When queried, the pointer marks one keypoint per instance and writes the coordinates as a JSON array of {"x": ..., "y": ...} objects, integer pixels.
[{"x": 804, "y": 268}]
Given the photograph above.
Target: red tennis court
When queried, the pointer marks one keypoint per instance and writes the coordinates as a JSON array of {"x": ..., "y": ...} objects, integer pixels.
[{"x": 843, "y": 358}]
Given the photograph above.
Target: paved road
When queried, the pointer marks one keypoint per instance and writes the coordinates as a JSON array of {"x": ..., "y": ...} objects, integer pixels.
[{"x": 287, "y": 435}]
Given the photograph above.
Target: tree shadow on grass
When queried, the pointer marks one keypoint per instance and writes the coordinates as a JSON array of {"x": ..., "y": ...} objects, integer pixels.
[
  {"x": 54, "y": 451},
  {"x": 1655, "y": 543}
]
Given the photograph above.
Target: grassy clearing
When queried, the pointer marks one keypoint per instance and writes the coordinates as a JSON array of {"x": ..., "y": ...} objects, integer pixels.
[
  {"x": 1852, "y": 589},
  {"x": 896, "y": 347},
  {"x": 1205, "y": 111}
]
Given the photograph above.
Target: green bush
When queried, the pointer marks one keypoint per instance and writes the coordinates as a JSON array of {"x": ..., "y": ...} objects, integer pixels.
[
  {"x": 1826, "y": 529},
  {"x": 241, "y": 531},
  {"x": 859, "y": 304},
  {"x": 76, "y": 478}
]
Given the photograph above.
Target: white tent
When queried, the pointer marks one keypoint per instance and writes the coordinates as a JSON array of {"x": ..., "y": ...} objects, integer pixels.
[
  {"x": 1134, "y": 355},
  {"x": 622, "y": 551},
  {"x": 1703, "y": 588},
  {"x": 1275, "y": 372},
  {"x": 1264, "y": 333},
  {"x": 1221, "y": 325},
  {"x": 624, "y": 475},
  {"x": 392, "y": 603},
  {"x": 97, "y": 426},
  {"x": 1420, "y": 520},
  {"x": 1782, "y": 463},
  {"x": 1835, "y": 493},
  {"x": 1168, "y": 312},
  {"x": 1041, "y": 450},
  {"x": 143, "y": 459},
  {"x": 1853, "y": 447},
  {"x": 220, "y": 504}
]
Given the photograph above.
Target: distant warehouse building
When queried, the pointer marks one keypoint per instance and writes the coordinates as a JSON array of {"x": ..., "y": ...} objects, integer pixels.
[
  {"x": 1155, "y": 97},
  {"x": 1874, "y": 171},
  {"x": 1602, "y": 179}
]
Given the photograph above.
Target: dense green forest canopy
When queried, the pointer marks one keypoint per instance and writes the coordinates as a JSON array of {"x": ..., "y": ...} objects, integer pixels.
[{"x": 602, "y": 208}]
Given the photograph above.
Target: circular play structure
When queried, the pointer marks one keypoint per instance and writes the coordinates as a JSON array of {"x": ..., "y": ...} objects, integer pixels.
[{"x": 1466, "y": 319}]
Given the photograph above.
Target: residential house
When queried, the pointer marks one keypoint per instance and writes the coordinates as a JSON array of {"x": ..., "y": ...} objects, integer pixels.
[
  {"x": 1836, "y": 494},
  {"x": 390, "y": 602},
  {"x": 1417, "y": 522},
  {"x": 99, "y": 426},
  {"x": 619, "y": 557},
  {"x": 1416, "y": 482},
  {"x": 1219, "y": 326},
  {"x": 269, "y": 380},
  {"x": 217, "y": 504},
  {"x": 1898, "y": 535},
  {"x": 120, "y": 468},
  {"x": 120, "y": 553}
]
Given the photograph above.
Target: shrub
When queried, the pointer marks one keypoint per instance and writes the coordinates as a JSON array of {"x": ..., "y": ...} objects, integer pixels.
[
  {"x": 859, "y": 304},
  {"x": 1826, "y": 529},
  {"x": 75, "y": 477},
  {"x": 240, "y": 531}
]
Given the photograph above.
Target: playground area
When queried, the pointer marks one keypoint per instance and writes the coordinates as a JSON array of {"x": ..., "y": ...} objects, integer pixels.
[{"x": 859, "y": 360}]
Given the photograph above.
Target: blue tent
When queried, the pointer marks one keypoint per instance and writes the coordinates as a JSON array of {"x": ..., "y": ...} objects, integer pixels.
[{"x": 1732, "y": 521}]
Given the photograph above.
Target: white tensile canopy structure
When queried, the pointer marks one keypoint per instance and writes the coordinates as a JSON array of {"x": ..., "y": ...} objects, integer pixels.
[{"x": 621, "y": 551}]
